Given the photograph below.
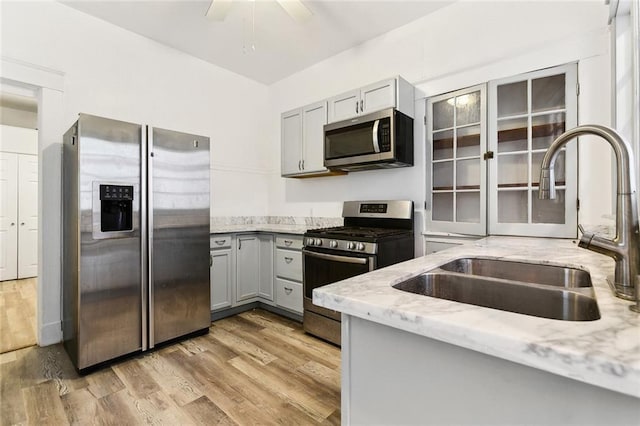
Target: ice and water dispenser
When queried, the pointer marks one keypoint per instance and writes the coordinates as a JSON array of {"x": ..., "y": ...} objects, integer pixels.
[{"x": 116, "y": 208}]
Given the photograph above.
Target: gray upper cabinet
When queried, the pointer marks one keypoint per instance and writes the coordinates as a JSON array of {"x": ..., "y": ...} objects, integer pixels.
[
  {"x": 391, "y": 93},
  {"x": 302, "y": 138}
]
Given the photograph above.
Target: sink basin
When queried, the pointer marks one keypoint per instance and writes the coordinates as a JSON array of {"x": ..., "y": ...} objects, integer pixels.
[
  {"x": 520, "y": 271},
  {"x": 544, "y": 291}
]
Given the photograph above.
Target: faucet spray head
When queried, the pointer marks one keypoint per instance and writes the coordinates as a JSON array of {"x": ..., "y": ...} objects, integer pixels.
[{"x": 547, "y": 184}]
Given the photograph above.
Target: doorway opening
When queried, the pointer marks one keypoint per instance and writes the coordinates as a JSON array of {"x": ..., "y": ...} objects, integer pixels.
[{"x": 18, "y": 220}]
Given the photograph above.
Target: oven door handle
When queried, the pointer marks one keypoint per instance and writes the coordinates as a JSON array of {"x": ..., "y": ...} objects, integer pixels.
[{"x": 343, "y": 259}]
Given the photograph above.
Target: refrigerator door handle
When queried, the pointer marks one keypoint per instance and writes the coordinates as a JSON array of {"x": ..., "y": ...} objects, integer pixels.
[
  {"x": 144, "y": 288},
  {"x": 149, "y": 191}
]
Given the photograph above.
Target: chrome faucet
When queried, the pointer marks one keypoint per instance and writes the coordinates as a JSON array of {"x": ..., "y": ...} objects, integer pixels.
[{"x": 625, "y": 247}]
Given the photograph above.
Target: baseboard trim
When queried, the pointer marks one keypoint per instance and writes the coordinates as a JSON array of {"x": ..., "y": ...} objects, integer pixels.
[{"x": 249, "y": 306}]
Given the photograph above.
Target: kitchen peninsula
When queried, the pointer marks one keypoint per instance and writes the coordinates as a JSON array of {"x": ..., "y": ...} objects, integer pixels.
[{"x": 409, "y": 358}]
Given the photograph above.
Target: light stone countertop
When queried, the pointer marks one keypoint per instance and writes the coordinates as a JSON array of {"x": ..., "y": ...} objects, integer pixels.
[
  {"x": 260, "y": 227},
  {"x": 275, "y": 224},
  {"x": 604, "y": 353}
]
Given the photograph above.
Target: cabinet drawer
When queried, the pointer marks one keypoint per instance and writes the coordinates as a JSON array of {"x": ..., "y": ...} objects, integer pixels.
[
  {"x": 289, "y": 295},
  {"x": 289, "y": 264},
  {"x": 289, "y": 242},
  {"x": 220, "y": 241}
]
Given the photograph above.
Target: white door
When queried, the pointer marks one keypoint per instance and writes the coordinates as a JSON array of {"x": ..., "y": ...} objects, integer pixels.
[
  {"x": 8, "y": 216},
  {"x": 27, "y": 215}
]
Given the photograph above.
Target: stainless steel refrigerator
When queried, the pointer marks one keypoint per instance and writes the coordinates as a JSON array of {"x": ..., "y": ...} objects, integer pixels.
[{"x": 135, "y": 238}]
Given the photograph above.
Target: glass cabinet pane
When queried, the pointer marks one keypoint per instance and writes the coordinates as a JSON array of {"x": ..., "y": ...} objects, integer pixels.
[
  {"x": 443, "y": 114},
  {"x": 512, "y": 99},
  {"x": 442, "y": 208},
  {"x": 443, "y": 175},
  {"x": 545, "y": 128},
  {"x": 513, "y": 206},
  {"x": 547, "y": 93},
  {"x": 513, "y": 135},
  {"x": 468, "y": 207},
  {"x": 443, "y": 145},
  {"x": 468, "y": 174},
  {"x": 468, "y": 109},
  {"x": 513, "y": 170},
  {"x": 468, "y": 141},
  {"x": 548, "y": 211}
]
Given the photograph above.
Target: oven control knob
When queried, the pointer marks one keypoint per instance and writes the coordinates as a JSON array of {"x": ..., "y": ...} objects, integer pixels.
[
  {"x": 311, "y": 241},
  {"x": 333, "y": 244},
  {"x": 360, "y": 246},
  {"x": 318, "y": 241},
  {"x": 351, "y": 246}
]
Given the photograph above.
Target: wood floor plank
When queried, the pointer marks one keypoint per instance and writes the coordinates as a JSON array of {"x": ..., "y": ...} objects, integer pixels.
[
  {"x": 135, "y": 378},
  {"x": 252, "y": 351},
  {"x": 104, "y": 382},
  {"x": 17, "y": 314},
  {"x": 181, "y": 390},
  {"x": 203, "y": 411},
  {"x": 43, "y": 405}
]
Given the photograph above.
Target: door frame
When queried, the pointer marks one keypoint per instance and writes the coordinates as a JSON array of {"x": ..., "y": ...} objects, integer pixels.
[{"x": 46, "y": 85}]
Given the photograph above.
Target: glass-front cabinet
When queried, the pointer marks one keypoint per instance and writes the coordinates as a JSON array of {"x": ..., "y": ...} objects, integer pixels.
[
  {"x": 526, "y": 113},
  {"x": 456, "y": 168},
  {"x": 485, "y": 152}
]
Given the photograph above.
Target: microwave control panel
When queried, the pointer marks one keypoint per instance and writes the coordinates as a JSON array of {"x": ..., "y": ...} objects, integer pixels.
[{"x": 384, "y": 134}]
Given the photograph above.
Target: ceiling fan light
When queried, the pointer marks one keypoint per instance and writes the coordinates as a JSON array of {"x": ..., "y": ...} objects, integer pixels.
[
  {"x": 296, "y": 9},
  {"x": 218, "y": 9}
]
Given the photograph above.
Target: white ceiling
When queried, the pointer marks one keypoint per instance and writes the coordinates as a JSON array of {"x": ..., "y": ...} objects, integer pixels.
[{"x": 282, "y": 45}]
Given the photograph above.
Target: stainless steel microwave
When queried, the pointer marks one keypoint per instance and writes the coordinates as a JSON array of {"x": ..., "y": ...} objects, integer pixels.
[{"x": 379, "y": 140}]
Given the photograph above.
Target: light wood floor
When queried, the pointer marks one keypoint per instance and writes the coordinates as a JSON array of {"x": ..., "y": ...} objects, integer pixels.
[
  {"x": 17, "y": 314},
  {"x": 253, "y": 368}
]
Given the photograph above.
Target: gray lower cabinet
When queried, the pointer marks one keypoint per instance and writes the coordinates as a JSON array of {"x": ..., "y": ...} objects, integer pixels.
[
  {"x": 222, "y": 271},
  {"x": 254, "y": 267},
  {"x": 288, "y": 279},
  {"x": 257, "y": 267}
]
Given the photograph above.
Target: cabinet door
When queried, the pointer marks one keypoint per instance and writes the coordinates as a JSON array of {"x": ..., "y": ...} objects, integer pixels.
[
  {"x": 291, "y": 141},
  {"x": 221, "y": 278},
  {"x": 8, "y": 216},
  {"x": 456, "y": 170},
  {"x": 377, "y": 96},
  {"x": 527, "y": 113},
  {"x": 265, "y": 289},
  {"x": 313, "y": 121},
  {"x": 344, "y": 106},
  {"x": 28, "y": 215},
  {"x": 247, "y": 267}
]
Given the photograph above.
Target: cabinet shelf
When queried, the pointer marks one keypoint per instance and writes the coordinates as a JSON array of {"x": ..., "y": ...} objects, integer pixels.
[
  {"x": 539, "y": 131},
  {"x": 458, "y": 188},
  {"x": 526, "y": 185},
  {"x": 463, "y": 141}
]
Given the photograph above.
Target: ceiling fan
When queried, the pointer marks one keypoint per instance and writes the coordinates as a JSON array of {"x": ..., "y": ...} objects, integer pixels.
[{"x": 218, "y": 9}]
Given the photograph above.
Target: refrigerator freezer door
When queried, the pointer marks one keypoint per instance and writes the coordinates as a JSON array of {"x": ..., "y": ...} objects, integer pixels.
[
  {"x": 109, "y": 293},
  {"x": 179, "y": 234}
]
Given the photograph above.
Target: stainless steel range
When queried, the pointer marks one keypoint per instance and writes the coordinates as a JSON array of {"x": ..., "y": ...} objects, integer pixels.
[{"x": 375, "y": 234}]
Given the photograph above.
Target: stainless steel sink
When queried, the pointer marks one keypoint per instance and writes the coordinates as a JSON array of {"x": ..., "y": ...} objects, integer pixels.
[
  {"x": 555, "y": 292},
  {"x": 520, "y": 271}
]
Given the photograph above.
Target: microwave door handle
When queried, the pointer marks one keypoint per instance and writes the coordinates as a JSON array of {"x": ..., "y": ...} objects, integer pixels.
[
  {"x": 376, "y": 145},
  {"x": 343, "y": 259}
]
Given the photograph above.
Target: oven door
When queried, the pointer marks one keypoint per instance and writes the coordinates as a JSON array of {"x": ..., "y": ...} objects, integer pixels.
[{"x": 322, "y": 267}]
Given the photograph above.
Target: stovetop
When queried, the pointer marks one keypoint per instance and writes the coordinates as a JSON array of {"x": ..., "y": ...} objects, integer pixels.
[{"x": 351, "y": 232}]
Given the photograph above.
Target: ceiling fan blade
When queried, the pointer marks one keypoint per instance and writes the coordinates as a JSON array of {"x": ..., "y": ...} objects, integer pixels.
[
  {"x": 296, "y": 9},
  {"x": 218, "y": 9}
]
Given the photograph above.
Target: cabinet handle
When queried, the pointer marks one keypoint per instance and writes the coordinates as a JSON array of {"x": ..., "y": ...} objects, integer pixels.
[
  {"x": 288, "y": 290},
  {"x": 288, "y": 259},
  {"x": 239, "y": 243},
  {"x": 361, "y": 105},
  {"x": 21, "y": 223},
  {"x": 356, "y": 107},
  {"x": 13, "y": 223},
  {"x": 210, "y": 261},
  {"x": 302, "y": 164},
  {"x": 220, "y": 242},
  {"x": 299, "y": 162},
  {"x": 288, "y": 242}
]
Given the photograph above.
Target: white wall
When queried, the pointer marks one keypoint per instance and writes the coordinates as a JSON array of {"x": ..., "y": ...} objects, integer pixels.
[
  {"x": 458, "y": 46},
  {"x": 107, "y": 71}
]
